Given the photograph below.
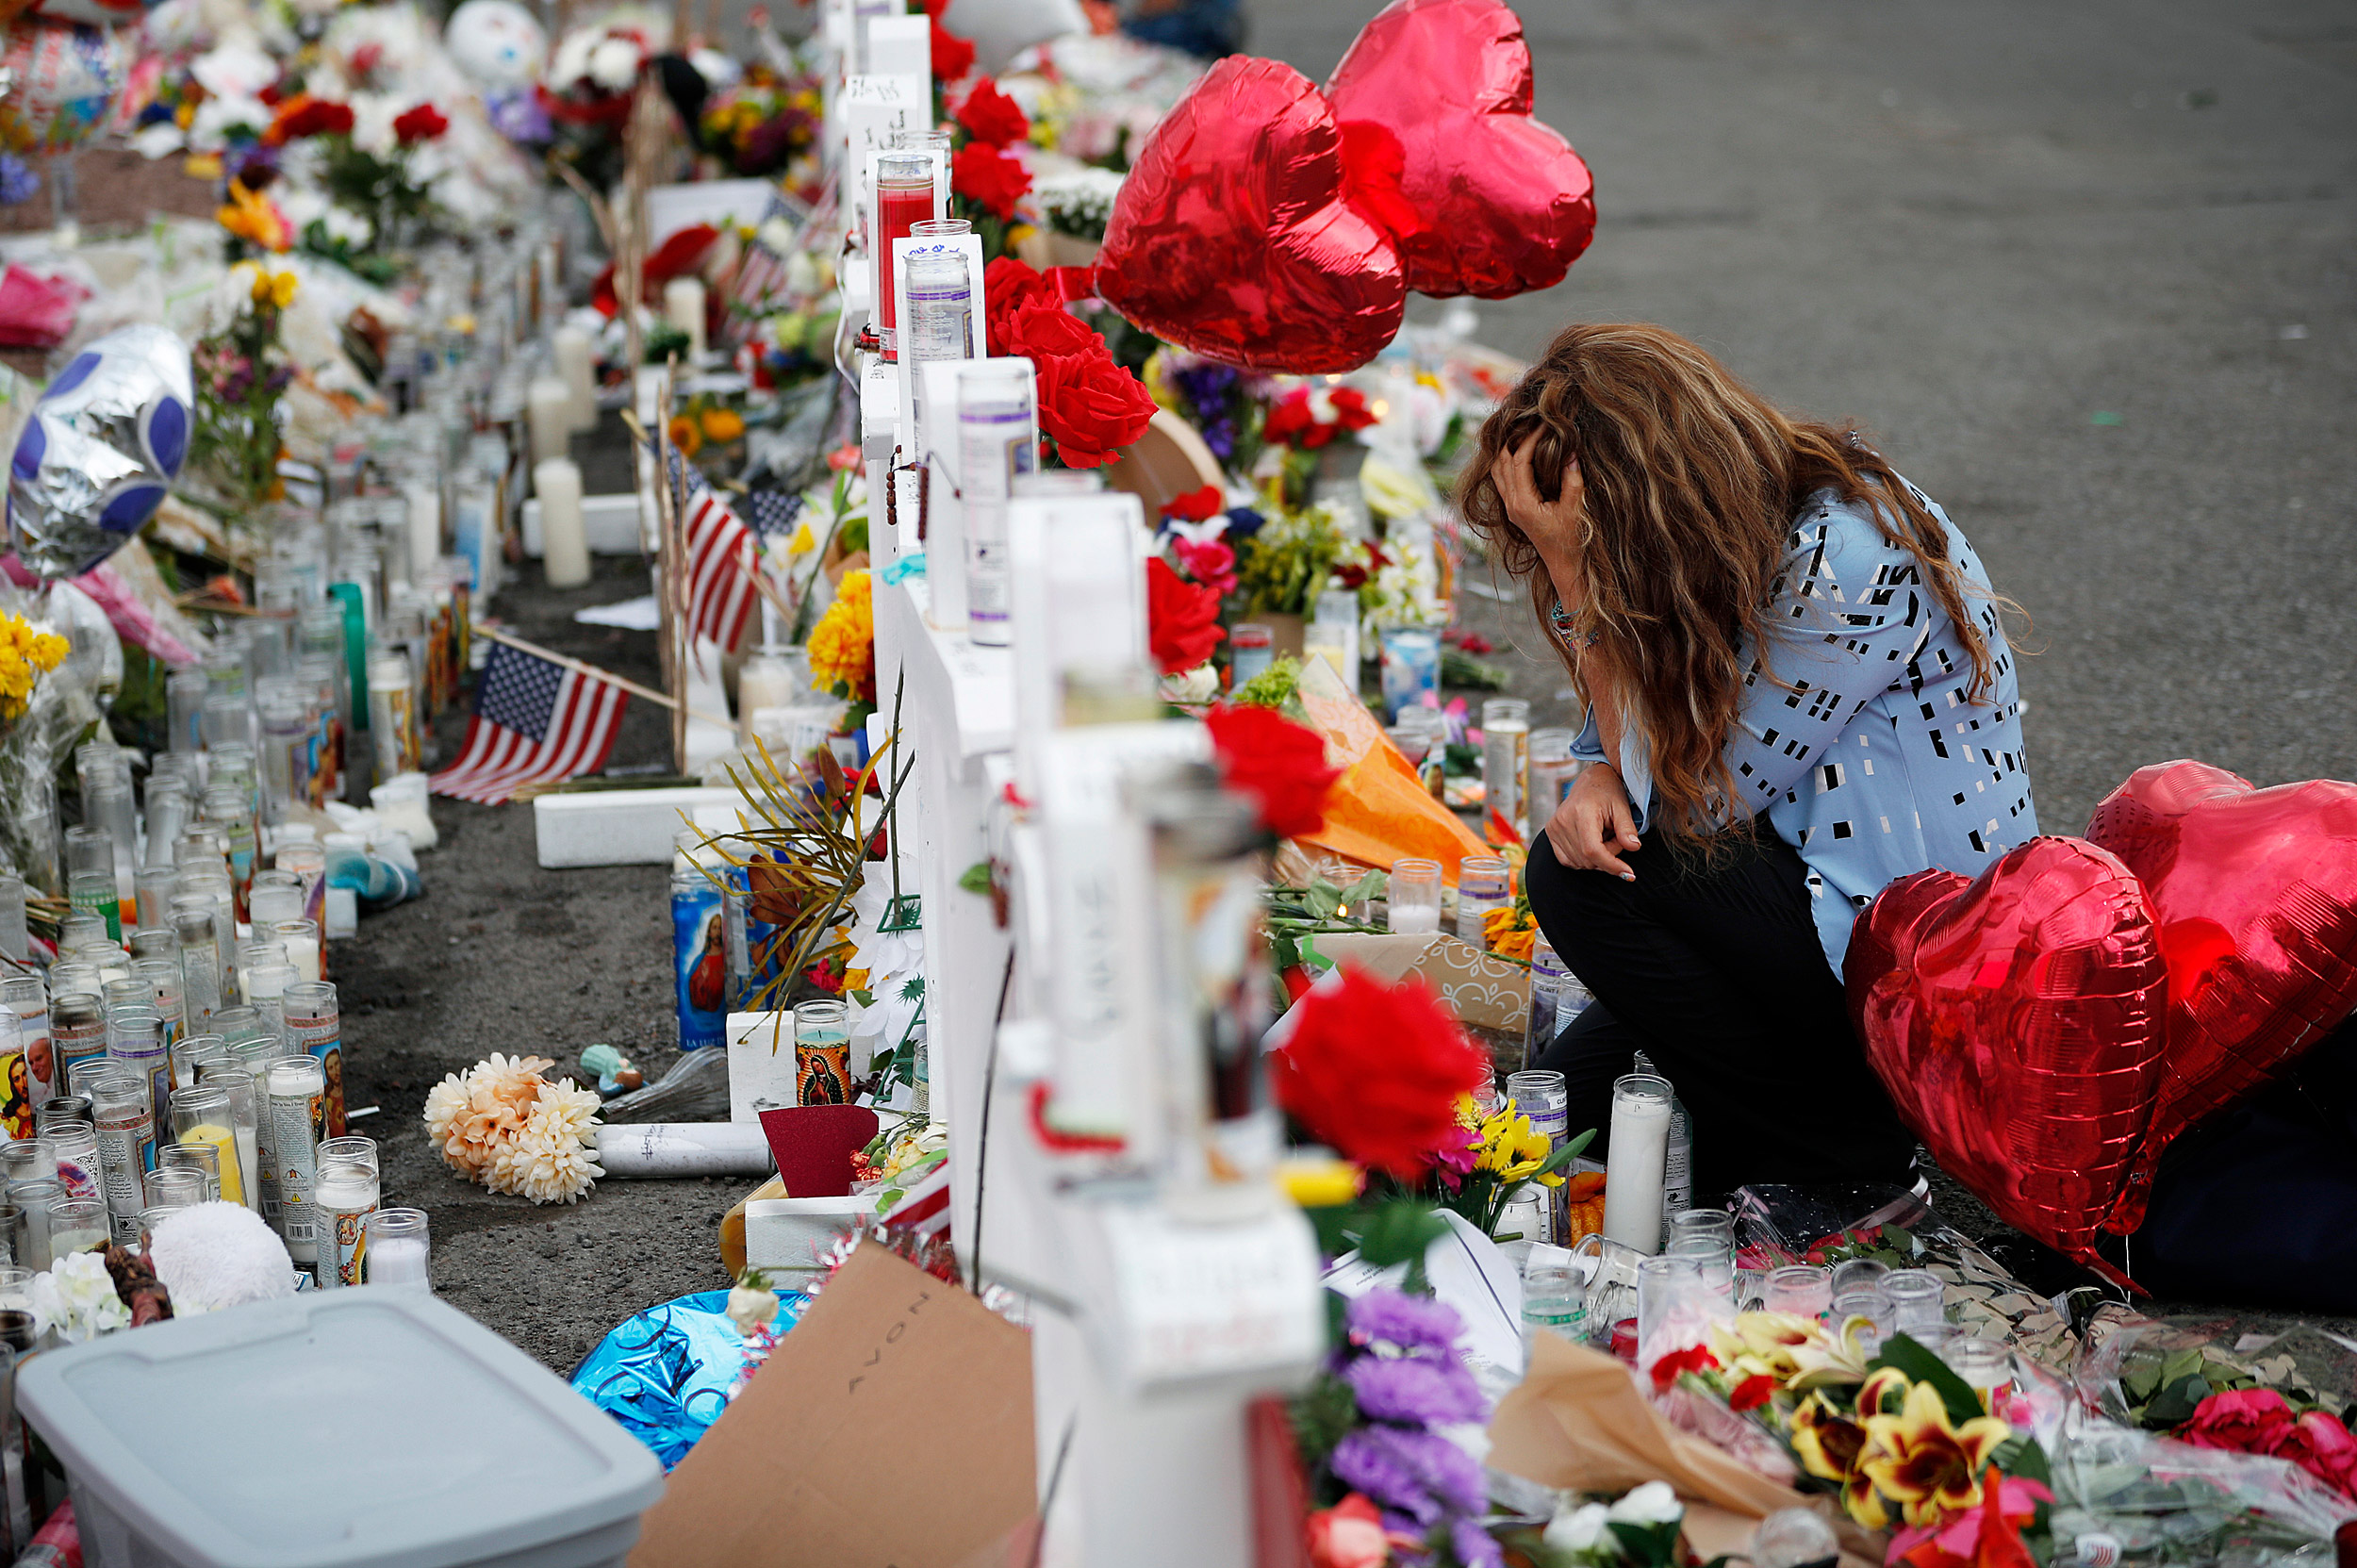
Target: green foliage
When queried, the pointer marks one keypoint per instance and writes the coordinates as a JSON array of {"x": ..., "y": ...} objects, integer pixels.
[
  {"x": 1460, "y": 669},
  {"x": 1282, "y": 569},
  {"x": 662, "y": 341},
  {"x": 1279, "y": 687},
  {"x": 976, "y": 878},
  {"x": 372, "y": 266},
  {"x": 1922, "y": 1366}
]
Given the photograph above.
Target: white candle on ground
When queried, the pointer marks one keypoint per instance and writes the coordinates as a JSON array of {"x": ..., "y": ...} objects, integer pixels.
[
  {"x": 576, "y": 359},
  {"x": 1633, "y": 1168},
  {"x": 564, "y": 542},
  {"x": 425, "y": 529},
  {"x": 684, "y": 307},
  {"x": 304, "y": 953},
  {"x": 397, "y": 1261},
  {"x": 551, "y": 414}
]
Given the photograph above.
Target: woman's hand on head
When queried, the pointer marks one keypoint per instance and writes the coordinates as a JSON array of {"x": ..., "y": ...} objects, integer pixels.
[
  {"x": 1594, "y": 825},
  {"x": 1553, "y": 526}
]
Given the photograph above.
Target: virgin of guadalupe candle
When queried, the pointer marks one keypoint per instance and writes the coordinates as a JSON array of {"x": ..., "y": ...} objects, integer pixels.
[
  {"x": 297, "y": 1104},
  {"x": 346, "y": 1196},
  {"x": 698, "y": 950},
  {"x": 822, "y": 1050},
  {"x": 315, "y": 1028},
  {"x": 28, "y": 998}
]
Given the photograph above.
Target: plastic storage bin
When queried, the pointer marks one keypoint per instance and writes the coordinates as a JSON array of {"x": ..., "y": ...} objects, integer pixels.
[{"x": 359, "y": 1428}]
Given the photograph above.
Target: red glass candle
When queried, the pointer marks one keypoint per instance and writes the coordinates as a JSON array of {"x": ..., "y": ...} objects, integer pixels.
[{"x": 904, "y": 197}]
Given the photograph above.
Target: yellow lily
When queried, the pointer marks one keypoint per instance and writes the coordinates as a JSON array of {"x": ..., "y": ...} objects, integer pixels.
[
  {"x": 1929, "y": 1467},
  {"x": 1885, "y": 1388},
  {"x": 1839, "y": 1358},
  {"x": 1776, "y": 1339},
  {"x": 1829, "y": 1446}
]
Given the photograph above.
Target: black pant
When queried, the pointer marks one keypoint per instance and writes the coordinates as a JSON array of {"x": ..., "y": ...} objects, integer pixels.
[{"x": 1712, "y": 968}]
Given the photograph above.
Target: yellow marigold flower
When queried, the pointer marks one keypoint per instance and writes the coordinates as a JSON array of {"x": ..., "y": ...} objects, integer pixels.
[
  {"x": 843, "y": 644},
  {"x": 686, "y": 436},
  {"x": 253, "y": 217},
  {"x": 1929, "y": 1467},
  {"x": 722, "y": 425}
]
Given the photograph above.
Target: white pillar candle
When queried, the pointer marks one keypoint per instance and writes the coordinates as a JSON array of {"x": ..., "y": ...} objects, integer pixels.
[
  {"x": 564, "y": 543},
  {"x": 684, "y": 307},
  {"x": 425, "y": 529},
  {"x": 1633, "y": 1167},
  {"x": 551, "y": 413},
  {"x": 577, "y": 368}
]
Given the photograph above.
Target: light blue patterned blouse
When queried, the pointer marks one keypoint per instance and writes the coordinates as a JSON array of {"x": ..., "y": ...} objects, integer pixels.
[{"x": 1870, "y": 759}]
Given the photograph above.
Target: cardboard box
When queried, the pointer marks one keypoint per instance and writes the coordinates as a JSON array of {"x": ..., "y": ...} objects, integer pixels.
[
  {"x": 893, "y": 1427},
  {"x": 1492, "y": 993}
]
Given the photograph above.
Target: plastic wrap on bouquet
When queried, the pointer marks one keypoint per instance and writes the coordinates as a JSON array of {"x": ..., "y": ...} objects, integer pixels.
[
  {"x": 101, "y": 451},
  {"x": 667, "y": 1373},
  {"x": 1378, "y": 810}
]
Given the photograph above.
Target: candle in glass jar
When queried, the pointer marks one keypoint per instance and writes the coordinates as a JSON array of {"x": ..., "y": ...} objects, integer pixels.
[
  {"x": 1633, "y": 1167},
  {"x": 397, "y": 1245},
  {"x": 576, "y": 357},
  {"x": 904, "y": 198},
  {"x": 297, "y": 1102},
  {"x": 346, "y": 1196}
]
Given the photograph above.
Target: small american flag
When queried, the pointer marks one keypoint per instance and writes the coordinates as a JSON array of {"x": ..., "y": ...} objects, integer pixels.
[
  {"x": 923, "y": 1206},
  {"x": 723, "y": 556},
  {"x": 534, "y": 722}
]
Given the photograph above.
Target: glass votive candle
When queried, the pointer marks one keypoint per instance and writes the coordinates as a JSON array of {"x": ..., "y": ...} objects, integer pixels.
[
  {"x": 1715, "y": 1223},
  {"x": 1868, "y": 1304},
  {"x": 75, "y": 1224},
  {"x": 11, "y": 1222},
  {"x": 172, "y": 1187},
  {"x": 1858, "y": 1274},
  {"x": 1668, "y": 1286},
  {"x": 1802, "y": 1290},
  {"x": 37, "y": 1201},
  {"x": 1982, "y": 1364},
  {"x": 822, "y": 1048},
  {"x": 28, "y": 1160},
  {"x": 1414, "y": 897},
  {"x": 1917, "y": 1300},
  {"x": 204, "y": 1158},
  {"x": 1254, "y": 645},
  {"x": 1483, "y": 883},
  {"x": 1554, "y": 1298},
  {"x": 398, "y": 1248},
  {"x": 16, "y": 1288},
  {"x": 1712, "y": 1256},
  {"x": 300, "y": 938}
]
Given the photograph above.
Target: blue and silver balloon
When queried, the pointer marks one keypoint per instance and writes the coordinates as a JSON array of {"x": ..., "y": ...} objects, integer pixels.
[{"x": 101, "y": 451}]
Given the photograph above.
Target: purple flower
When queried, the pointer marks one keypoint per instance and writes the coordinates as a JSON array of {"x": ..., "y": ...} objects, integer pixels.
[
  {"x": 1415, "y": 1391},
  {"x": 1411, "y": 1322},
  {"x": 1476, "y": 1547},
  {"x": 1421, "y": 1474},
  {"x": 519, "y": 117},
  {"x": 17, "y": 180}
]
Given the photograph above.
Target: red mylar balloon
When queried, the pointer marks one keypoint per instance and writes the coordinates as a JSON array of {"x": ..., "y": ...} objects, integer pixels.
[
  {"x": 1438, "y": 92},
  {"x": 2256, "y": 895},
  {"x": 2016, "y": 1021},
  {"x": 1231, "y": 236}
]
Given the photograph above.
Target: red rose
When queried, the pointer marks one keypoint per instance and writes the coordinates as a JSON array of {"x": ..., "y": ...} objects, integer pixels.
[
  {"x": 2244, "y": 1420},
  {"x": 2318, "y": 1444},
  {"x": 1291, "y": 417},
  {"x": 1694, "y": 1357},
  {"x": 953, "y": 57},
  {"x": 1348, "y": 1535},
  {"x": 1211, "y": 563},
  {"x": 989, "y": 115},
  {"x": 1350, "y": 408},
  {"x": 1278, "y": 762},
  {"x": 1196, "y": 505},
  {"x": 1373, "y": 1071},
  {"x": 304, "y": 115},
  {"x": 422, "y": 123},
  {"x": 1044, "y": 329},
  {"x": 1009, "y": 283},
  {"x": 1181, "y": 619},
  {"x": 1091, "y": 405},
  {"x": 989, "y": 179}
]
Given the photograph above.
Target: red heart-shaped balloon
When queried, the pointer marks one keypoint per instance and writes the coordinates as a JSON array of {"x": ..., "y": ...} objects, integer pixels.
[
  {"x": 1439, "y": 90},
  {"x": 2016, "y": 1021},
  {"x": 2254, "y": 892},
  {"x": 1232, "y": 237}
]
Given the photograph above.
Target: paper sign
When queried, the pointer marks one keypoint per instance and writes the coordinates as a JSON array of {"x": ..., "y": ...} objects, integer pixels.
[
  {"x": 761, "y": 1060},
  {"x": 1200, "y": 1302},
  {"x": 674, "y": 207},
  {"x": 1469, "y": 1272},
  {"x": 1482, "y": 990},
  {"x": 892, "y": 1426}
]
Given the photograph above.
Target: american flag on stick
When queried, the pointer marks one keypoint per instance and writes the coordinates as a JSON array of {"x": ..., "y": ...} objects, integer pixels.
[
  {"x": 535, "y": 721},
  {"x": 723, "y": 559}
]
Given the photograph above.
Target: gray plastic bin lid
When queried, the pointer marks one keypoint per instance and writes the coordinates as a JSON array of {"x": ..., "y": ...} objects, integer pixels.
[{"x": 359, "y": 1428}]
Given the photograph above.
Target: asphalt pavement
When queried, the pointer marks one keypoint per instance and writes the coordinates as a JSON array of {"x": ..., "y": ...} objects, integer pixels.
[{"x": 2084, "y": 272}]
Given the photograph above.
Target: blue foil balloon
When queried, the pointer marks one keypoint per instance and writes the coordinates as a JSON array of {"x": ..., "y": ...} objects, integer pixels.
[
  {"x": 101, "y": 451},
  {"x": 665, "y": 1374}
]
